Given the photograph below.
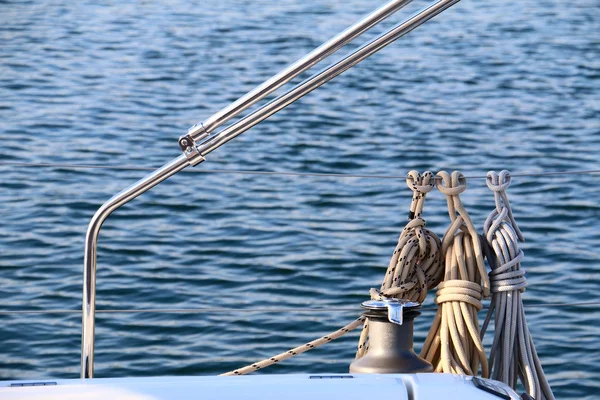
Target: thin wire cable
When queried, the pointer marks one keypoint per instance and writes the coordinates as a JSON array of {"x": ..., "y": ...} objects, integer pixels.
[
  {"x": 288, "y": 173},
  {"x": 255, "y": 310}
]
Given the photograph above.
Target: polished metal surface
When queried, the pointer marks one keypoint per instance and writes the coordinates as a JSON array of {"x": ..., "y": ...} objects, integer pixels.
[
  {"x": 195, "y": 133},
  {"x": 306, "y": 62},
  {"x": 383, "y": 304},
  {"x": 395, "y": 308},
  {"x": 91, "y": 241},
  {"x": 188, "y": 144},
  {"x": 324, "y": 76},
  {"x": 194, "y": 155},
  {"x": 390, "y": 345}
]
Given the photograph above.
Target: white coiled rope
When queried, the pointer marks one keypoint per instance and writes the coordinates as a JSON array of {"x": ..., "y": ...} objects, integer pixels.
[
  {"x": 453, "y": 344},
  {"x": 513, "y": 353},
  {"x": 415, "y": 266}
]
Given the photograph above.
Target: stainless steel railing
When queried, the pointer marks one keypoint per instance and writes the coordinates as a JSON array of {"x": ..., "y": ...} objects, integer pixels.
[
  {"x": 306, "y": 62},
  {"x": 198, "y": 142}
]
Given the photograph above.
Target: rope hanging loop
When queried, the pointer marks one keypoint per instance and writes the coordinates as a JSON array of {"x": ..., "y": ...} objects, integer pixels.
[
  {"x": 513, "y": 355},
  {"x": 453, "y": 344},
  {"x": 416, "y": 264},
  {"x": 498, "y": 183}
]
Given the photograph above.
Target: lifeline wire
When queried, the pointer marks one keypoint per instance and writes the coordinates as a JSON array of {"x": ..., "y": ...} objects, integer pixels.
[
  {"x": 285, "y": 173},
  {"x": 513, "y": 353},
  {"x": 416, "y": 264},
  {"x": 236, "y": 310},
  {"x": 453, "y": 344}
]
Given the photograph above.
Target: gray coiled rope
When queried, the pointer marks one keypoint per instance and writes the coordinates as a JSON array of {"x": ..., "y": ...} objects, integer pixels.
[{"x": 513, "y": 353}]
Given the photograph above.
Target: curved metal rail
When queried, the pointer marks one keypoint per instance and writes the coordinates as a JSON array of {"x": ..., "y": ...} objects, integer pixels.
[{"x": 194, "y": 152}]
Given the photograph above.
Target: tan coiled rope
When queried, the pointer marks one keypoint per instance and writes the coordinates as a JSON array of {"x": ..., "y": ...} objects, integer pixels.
[
  {"x": 453, "y": 344},
  {"x": 513, "y": 353},
  {"x": 415, "y": 266}
]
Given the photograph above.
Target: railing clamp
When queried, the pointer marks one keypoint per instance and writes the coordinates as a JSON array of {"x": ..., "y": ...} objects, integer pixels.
[{"x": 187, "y": 143}]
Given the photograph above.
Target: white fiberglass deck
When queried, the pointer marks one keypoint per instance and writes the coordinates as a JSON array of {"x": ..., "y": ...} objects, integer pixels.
[{"x": 281, "y": 387}]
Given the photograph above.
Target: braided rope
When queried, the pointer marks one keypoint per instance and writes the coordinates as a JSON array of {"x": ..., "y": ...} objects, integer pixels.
[
  {"x": 513, "y": 353},
  {"x": 453, "y": 344},
  {"x": 415, "y": 266},
  {"x": 297, "y": 350}
]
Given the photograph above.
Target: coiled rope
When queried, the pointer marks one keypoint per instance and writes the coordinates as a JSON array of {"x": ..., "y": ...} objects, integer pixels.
[
  {"x": 513, "y": 353},
  {"x": 415, "y": 266},
  {"x": 453, "y": 344},
  {"x": 454, "y": 341}
]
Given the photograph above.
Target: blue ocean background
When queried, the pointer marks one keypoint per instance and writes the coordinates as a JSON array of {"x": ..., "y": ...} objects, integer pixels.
[{"x": 484, "y": 86}]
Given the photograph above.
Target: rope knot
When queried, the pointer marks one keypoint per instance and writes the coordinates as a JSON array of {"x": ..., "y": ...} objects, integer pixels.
[
  {"x": 498, "y": 183},
  {"x": 414, "y": 223},
  {"x": 451, "y": 185},
  {"x": 459, "y": 290},
  {"x": 506, "y": 274},
  {"x": 420, "y": 183},
  {"x": 509, "y": 280}
]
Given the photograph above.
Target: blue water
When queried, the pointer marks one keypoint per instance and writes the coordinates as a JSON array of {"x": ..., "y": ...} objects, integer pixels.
[{"x": 486, "y": 85}]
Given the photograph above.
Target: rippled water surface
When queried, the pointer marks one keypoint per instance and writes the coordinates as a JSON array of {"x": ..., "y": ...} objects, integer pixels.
[{"x": 486, "y": 85}]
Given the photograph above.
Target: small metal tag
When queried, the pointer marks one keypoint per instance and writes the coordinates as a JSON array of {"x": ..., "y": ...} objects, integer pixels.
[
  {"x": 395, "y": 312},
  {"x": 395, "y": 308}
]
